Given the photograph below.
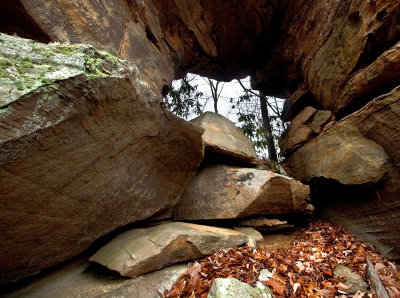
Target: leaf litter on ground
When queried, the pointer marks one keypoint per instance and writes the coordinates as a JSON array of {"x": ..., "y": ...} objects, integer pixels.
[{"x": 303, "y": 270}]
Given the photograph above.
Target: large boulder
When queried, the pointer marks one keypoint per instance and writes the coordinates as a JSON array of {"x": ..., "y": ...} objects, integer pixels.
[
  {"x": 221, "y": 136},
  {"x": 140, "y": 251},
  {"x": 222, "y": 192},
  {"x": 85, "y": 148},
  {"x": 341, "y": 154}
]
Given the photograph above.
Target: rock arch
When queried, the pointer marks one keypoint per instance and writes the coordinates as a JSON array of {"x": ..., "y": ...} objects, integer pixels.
[{"x": 339, "y": 56}]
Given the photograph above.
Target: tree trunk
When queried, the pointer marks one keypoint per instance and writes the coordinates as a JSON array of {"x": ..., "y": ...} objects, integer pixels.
[
  {"x": 216, "y": 106},
  {"x": 268, "y": 127},
  {"x": 214, "y": 94}
]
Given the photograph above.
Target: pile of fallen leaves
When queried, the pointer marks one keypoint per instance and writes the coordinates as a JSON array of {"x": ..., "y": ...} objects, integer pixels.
[{"x": 303, "y": 270}]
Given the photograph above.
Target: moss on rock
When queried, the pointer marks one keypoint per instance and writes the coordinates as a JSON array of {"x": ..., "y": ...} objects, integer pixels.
[{"x": 26, "y": 65}]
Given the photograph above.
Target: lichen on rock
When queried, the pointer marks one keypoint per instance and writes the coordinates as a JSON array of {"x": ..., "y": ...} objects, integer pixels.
[{"x": 26, "y": 65}]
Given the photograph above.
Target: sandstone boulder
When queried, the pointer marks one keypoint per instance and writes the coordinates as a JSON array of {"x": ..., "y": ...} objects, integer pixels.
[
  {"x": 223, "y": 137},
  {"x": 299, "y": 131},
  {"x": 321, "y": 118},
  {"x": 342, "y": 154},
  {"x": 221, "y": 192},
  {"x": 363, "y": 211},
  {"x": 85, "y": 148},
  {"x": 139, "y": 251}
]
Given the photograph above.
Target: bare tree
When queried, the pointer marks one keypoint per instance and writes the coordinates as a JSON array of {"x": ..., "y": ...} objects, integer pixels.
[
  {"x": 216, "y": 88},
  {"x": 270, "y": 115}
]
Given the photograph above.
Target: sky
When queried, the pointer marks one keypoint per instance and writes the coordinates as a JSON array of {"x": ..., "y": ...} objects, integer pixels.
[{"x": 230, "y": 90}]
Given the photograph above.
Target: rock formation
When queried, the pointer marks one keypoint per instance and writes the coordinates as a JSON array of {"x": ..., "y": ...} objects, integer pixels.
[
  {"x": 225, "y": 192},
  {"x": 140, "y": 251},
  {"x": 223, "y": 138},
  {"x": 84, "y": 147}
]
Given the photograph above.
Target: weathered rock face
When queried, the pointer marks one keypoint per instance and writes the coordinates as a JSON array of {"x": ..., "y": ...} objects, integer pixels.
[
  {"x": 330, "y": 49},
  {"x": 299, "y": 131},
  {"x": 338, "y": 56},
  {"x": 341, "y": 154},
  {"x": 85, "y": 148},
  {"x": 370, "y": 213},
  {"x": 221, "y": 136},
  {"x": 222, "y": 192},
  {"x": 140, "y": 251}
]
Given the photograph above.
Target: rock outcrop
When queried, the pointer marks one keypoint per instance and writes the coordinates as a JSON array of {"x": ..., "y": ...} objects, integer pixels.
[
  {"x": 101, "y": 133},
  {"x": 341, "y": 154},
  {"x": 299, "y": 131},
  {"x": 85, "y": 148},
  {"x": 222, "y": 137},
  {"x": 224, "y": 192},
  {"x": 364, "y": 211},
  {"x": 140, "y": 251}
]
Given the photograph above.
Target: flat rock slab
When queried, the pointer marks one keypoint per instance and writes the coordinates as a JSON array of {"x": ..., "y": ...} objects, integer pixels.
[
  {"x": 77, "y": 278},
  {"x": 139, "y": 251},
  {"x": 265, "y": 224},
  {"x": 224, "y": 192},
  {"x": 222, "y": 136}
]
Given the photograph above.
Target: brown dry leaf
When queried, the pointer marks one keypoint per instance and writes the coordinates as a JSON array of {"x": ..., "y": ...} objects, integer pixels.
[
  {"x": 327, "y": 272},
  {"x": 278, "y": 284},
  {"x": 342, "y": 286},
  {"x": 282, "y": 268}
]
